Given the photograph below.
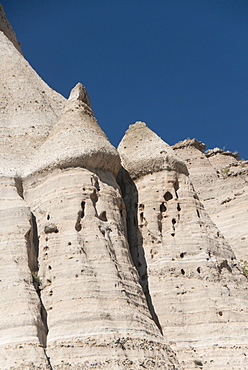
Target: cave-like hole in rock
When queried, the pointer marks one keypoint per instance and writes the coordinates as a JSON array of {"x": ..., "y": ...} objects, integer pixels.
[
  {"x": 48, "y": 217},
  {"x": 182, "y": 254},
  {"x": 103, "y": 216},
  {"x": 94, "y": 197},
  {"x": 162, "y": 207},
  {"x": 103, "y": 232},
  {"x": 176, "y": 185},
  {"x": 141, "y": 216},
  {"x": 159, "y": 226},
  {"x": 198, "y": 213},
  {"x": 78, "y": 226},
  {"x": 178, "y": 207},
  {"x": 168, "y": 196},
  {"x": 198, "y": 270},
  {"x": 173, "y": 221},
  {"x": 182, "y": 272},
  {"x": 82, "y": 208},
  {"x": 97, "y": 186}
]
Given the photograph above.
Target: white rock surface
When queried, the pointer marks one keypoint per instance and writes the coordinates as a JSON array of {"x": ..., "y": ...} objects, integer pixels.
[
  {"x": 221, "y": 181},
  {"x": 96, "y": 311},
  {"x": 198, "y": 291},
  {"x": 76, "y": 140},
  {"x": 22, "y": 332},
  {"x": 74, "y": 293},
  {"x": 28, "y": 107},
  {"x": 83, "y": 251}
]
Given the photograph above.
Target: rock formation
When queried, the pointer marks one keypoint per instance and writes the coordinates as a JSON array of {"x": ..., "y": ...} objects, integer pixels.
[
  {"x": 29, "y": 108},
  {"x": 71, "y": 297},
  {"x": 197, "y": 289},
  {"x": 109, "y": 260},
  {"x": 221, "y": 181}
]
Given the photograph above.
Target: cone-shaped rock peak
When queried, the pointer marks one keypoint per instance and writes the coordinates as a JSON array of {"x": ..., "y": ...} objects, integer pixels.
[
  {"x": 79, "y": 93},
  {"x": 29, "y": 107},
  {"x": 142, "y": 152},
  {"x": 76, "y": 140}
]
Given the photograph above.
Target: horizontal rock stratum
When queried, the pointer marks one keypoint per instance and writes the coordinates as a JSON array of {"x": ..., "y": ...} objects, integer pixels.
[{"x": 113, "y": 259}]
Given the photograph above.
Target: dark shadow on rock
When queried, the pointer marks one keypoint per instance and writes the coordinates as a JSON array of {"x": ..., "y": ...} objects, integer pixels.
[{"x": 135, "y": 240}]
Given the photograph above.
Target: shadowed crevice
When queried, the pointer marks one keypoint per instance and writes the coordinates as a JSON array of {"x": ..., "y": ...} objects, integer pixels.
[
  {"x": 135, "y": 240},
  {"x": 32, "y": 242}
]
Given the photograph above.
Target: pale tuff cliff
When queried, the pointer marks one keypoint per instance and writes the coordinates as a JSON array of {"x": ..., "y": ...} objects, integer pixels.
[
  {"x": 70, "y": 294},
  {"x": 108, "y": 258},
  {"x": 221, "y": 181},
  {"x": 197, "y": 288},
  {"x": 29, "y": 108}
]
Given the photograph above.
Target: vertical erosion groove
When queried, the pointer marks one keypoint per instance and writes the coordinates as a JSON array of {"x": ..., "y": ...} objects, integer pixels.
[
  {"x": 135, "y": 240},
  {"x": 78, "y": 225},
  {"x": 32, "y": 241}
]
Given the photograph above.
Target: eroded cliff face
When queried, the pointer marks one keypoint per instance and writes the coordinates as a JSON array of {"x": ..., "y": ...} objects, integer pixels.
[
  {"x": 29, "y": 107},
  {"x": 96, "y": 311},
  {"x": 221, "y": 181},
  {"x": 22, "y": 330},
  {"x": 197, "y": 289},
  {"x": 97, "y": 274},
  {"x": 97, "y": 314},
  {"x": 71, "y": 297}
]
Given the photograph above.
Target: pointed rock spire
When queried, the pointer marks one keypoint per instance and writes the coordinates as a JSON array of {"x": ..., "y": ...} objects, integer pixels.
[
  {"x": 29, "y": 107},
  {"x": 142, "y": 152},
  {"x": 79, "y": 93},
  {"x": 76, "y": 140}
]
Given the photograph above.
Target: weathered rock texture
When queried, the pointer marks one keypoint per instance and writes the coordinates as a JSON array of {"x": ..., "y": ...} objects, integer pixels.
[
  {"x": 70, "y": 294},
  {"x": 90, "y": 282},
  {"x": 22, "y": 330},
  {"x": 197, "y": 289},
  {"x": 83, "y": 251},
  {"x": 29, "y": 108},
  {"x": 221, "y": 181}
]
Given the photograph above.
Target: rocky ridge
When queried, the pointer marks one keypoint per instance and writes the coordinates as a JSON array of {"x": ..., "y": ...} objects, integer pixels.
[
  {"x": 221, "y": 181},
  {"x": 109, "y": 259}
]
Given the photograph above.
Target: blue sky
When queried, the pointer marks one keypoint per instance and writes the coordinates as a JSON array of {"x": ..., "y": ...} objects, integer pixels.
[{"x": 179, "y": 65}]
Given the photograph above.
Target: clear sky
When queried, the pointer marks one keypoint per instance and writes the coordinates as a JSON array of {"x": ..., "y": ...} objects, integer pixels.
[{"x": 179, "y": 65}]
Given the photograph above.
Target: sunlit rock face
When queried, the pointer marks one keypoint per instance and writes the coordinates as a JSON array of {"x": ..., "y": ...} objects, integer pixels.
[
  {"x": 100, "y": 274},
  {"x": 70, "y": 294},
  {"x": 97, "y": 313},
  {"x": 22, "y": 330},
  {"x": 198, "y": 291},
  {"x": 28, "y": 106},
  {"x": 25, "y": 103},
  {"x": 96, "y": 310},
  {"x": 221, "y": 181}
]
